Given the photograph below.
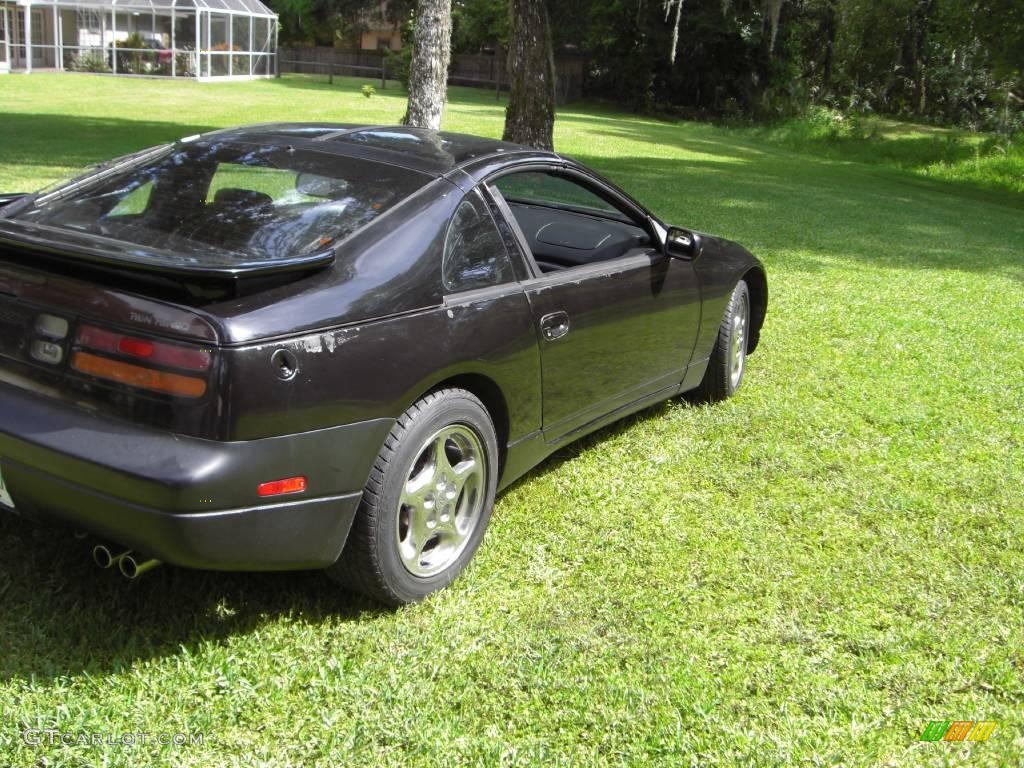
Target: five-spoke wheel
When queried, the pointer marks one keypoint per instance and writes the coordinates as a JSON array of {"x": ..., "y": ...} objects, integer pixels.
[
  {"x": 738, "y": 338},
  {"x": 427, "y": 502},
  {"x": 728, "y": 360},
  {"x": 441, "y": 503}
]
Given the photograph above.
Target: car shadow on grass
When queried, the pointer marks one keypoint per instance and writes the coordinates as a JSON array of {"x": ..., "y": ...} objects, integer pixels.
[
  {"x": 64, "y": 616},
  {"x": 565, "y": 455}
]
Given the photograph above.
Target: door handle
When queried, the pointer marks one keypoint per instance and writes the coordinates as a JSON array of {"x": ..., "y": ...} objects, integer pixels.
[{"x": 554, "y": 326}]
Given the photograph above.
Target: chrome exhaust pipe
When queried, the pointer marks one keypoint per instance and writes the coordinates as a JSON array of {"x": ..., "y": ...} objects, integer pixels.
[
  {"x": 132, "y": 568},
  {"x": 105, "y": 558}
]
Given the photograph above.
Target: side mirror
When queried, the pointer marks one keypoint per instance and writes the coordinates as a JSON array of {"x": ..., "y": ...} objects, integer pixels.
[{"x": 681, "y": 243}]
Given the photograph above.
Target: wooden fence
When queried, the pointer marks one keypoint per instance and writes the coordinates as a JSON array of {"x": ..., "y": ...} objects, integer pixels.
[{"x": 474, "y": 70}]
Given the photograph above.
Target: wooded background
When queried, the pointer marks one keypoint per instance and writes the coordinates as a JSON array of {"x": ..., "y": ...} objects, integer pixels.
[{"x": 949, "y": 62}]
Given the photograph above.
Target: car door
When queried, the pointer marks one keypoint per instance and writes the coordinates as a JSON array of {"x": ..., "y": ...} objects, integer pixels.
[{"x": 616, "y": 319}]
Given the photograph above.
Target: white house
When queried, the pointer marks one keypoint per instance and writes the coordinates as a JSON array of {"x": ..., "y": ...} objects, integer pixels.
[{"x": 203, "y": 39}]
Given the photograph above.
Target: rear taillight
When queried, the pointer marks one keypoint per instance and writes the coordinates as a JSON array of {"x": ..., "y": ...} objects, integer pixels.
[
  {"x": 156, "y": 352},
  {"x": 157, "y": 366}
]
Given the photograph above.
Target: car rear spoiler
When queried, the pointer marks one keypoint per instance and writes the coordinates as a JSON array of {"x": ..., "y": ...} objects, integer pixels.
[{"x": 107, "y": 252}]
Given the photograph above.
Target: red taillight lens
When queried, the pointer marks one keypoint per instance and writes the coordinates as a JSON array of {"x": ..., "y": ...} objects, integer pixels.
[
  {"x": 136, "y": 347},
  {"x": 280, "y": 487},
  {"x": 187, "y": 360},
  {"x": 158, "y": 352}
]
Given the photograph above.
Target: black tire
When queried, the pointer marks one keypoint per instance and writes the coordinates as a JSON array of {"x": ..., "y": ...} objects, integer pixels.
[
  {"x": 372, "y": 561},
  {"x": 721, "y": 379}
]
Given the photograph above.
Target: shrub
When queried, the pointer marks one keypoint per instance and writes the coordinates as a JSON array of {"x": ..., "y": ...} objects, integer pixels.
[
  {"x": 830, "y": 124},
  {"x": 132, "y": 62},
  {"x": 368, "y": 90},
  {"x": 398, "y": 63},
  {"x": 89, "y": 61}
]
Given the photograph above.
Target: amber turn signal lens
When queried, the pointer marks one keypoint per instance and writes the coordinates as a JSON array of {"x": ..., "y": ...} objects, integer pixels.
[
  {"x": 279, "y": 487},
  {"x": 137, "y": 376}
]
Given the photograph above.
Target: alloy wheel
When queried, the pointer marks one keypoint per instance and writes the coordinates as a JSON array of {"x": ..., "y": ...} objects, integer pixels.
[
  {"x": 442, "y": 500},
  {"x": 738, "y": 341}
]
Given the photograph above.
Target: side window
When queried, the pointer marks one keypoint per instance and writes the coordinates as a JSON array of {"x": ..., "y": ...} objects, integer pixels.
[
  {"x": 474, "y": 252},
  {"x": 564, "y": 223},
  {"x": 546, "y": 189}
]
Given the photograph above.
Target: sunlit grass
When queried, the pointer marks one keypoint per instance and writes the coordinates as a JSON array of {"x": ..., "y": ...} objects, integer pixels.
[
  {"x": 805, "y": 575},
  {"x": 983, "y": 161}
]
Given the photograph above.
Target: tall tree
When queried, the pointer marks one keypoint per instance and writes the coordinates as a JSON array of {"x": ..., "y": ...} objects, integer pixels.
[
  {"x": 428, "y": 71},
  {"x": 530, "y": 116},
  {"x": 773, "y": 9},
  {"x": 479, "y": 26},
  {"x": 675, "y": 27}
]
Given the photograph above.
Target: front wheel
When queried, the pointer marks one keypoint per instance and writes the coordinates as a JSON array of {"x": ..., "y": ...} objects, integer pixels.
[
  {"x": 729, "y": 356},
  {"x": 427, "y": 502}
]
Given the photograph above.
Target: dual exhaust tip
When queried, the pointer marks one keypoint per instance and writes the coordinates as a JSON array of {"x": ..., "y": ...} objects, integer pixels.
[{"x": 130, "y": 566}]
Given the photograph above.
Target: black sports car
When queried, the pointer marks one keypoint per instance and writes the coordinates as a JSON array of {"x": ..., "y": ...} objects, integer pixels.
[{"x": 325, "y": 346}]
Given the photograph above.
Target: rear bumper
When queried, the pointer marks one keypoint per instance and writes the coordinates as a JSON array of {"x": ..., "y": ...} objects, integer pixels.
[{"x": 183, "y": 500}]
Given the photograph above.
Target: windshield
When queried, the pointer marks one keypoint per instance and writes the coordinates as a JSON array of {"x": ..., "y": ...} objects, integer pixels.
[{"x": 217, "y": 203}]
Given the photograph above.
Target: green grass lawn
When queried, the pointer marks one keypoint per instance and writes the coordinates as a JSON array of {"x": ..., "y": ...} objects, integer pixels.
[
  {"x": 981, "y": 161},
  {"x": 805, "y": 575}
]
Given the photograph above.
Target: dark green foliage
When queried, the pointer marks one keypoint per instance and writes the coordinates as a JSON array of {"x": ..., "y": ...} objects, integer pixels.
[
  {"x": 479, "y": 25},
  {"x": 333, "y": 22},
  {"x": 949, "y": 62},
  {"x": 398, "y": 65},
  {"x": 953, "y": 62}
]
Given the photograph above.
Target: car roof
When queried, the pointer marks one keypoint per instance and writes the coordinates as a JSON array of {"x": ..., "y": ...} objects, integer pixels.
[{"x": 435, "y": 153}]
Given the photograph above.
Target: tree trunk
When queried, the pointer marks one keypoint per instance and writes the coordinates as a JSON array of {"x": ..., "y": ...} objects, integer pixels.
[
  {"x": 530, "y": 116},
  {"x": 773, "y": 8},
  {"x": 828, "y": 31},
  {"x": 675, "y": 32},
  {"x": 428, "y": 70},
  {"x": 921, "y": 22}
]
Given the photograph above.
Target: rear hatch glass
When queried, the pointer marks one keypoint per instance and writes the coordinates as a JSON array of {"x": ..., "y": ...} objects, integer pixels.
[{"x": 210, "y": 205}]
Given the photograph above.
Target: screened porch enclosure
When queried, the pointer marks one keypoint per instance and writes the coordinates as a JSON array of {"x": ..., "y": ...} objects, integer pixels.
[{"x": 202, "y": 39}]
